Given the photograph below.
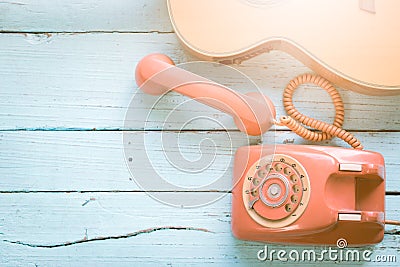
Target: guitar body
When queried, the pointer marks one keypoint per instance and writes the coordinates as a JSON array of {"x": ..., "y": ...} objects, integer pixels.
[{"x": 353, "y": 43}]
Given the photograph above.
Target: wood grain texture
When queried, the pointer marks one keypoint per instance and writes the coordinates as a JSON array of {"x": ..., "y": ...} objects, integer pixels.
[
  {"x": 93, "y": 161},
  {"x": 67, "y": 79},
  {"x": 87, "y": 16},
  {"x": 51, "y": 219},
  {"x": 86, "y": 81}
]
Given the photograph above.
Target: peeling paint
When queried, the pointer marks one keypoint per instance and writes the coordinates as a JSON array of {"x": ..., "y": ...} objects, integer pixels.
[{"x": 38, "y": 38}]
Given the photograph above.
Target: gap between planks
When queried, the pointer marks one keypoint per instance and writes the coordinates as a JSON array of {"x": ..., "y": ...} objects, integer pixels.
[
  {"x": 111, "y": 129},
  {"x": 387, "y": 193},
  {"x": 49, "y": 33}
]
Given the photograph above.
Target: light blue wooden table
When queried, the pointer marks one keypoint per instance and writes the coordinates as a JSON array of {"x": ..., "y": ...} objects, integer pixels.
[{"x": 66, "y": 195}]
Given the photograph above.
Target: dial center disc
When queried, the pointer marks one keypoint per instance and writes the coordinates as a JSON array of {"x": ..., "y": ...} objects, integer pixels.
[{"x": 274, "y": 191}]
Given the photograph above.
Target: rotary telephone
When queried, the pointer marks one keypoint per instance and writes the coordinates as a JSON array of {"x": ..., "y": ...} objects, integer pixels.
[{"x": 301, "y": 194}]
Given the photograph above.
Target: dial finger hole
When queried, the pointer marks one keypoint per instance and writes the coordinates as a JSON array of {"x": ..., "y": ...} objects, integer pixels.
[
  {"x": 288, "y": 207},
  {"x": 294, "y": 179},
  {"x": 294, "y": 199},
  {"x": 256, "y": 181},
  {"x": 254, "y": 193},
  {"x": 278, "y": 167},
  {"x": 287, "y": 171},
  {"x": 262, "y": 173},
  {"x": 296, "y": 188}
]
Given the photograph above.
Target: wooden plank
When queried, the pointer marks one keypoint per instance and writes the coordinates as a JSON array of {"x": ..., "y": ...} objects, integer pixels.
[
  {"x": 86, "y": 81},
  {"x": 57, "y": 218},
  {"x": 71, "y": 82},
  {"x": 77, "y": 16},
  {"x": 94, "y": 160}
]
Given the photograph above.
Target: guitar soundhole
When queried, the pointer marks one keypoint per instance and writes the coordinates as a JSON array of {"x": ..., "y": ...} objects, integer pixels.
[{"x": 264, "y": 3}]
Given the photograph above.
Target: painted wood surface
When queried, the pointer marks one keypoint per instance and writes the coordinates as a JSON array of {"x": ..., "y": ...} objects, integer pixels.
[
  {"x": 84, "y": 16},
  {"x": 68, "y": 81},
  {"x": 199, "y": 236},
  {"x": 94, "y": 160},
  {"x": 66, "y": 195}
]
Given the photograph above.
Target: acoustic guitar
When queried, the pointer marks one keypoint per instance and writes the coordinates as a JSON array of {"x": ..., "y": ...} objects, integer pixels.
[{"x": 353, "y": 43}]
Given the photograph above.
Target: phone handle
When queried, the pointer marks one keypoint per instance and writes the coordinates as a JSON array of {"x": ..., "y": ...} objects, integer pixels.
[{"x": 253, "y": 113}]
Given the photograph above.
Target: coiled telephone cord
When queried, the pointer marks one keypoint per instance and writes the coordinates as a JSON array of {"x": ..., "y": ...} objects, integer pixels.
[{"x": 295, "y": 120}]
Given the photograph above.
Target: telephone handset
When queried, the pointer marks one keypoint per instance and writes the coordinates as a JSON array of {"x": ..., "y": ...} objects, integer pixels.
[
  {"x": 292, "y": 193},
  {"x": 252, "y": 112}
]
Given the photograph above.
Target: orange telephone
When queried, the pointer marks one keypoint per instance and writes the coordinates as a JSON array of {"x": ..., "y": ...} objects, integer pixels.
[
  {"x": 288, "y": 193},
  {"x": 308, "y": 194}
]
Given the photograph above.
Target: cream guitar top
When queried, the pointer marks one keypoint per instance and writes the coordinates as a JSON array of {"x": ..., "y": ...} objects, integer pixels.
[{"x": 353, "y": 43}]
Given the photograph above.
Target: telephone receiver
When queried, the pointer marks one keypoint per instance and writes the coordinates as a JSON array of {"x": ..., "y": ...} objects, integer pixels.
[{"x": 253, "y": 113}]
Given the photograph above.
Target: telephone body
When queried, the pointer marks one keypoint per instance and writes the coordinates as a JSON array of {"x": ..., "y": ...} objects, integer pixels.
[{"x": 308, "y": 194}]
